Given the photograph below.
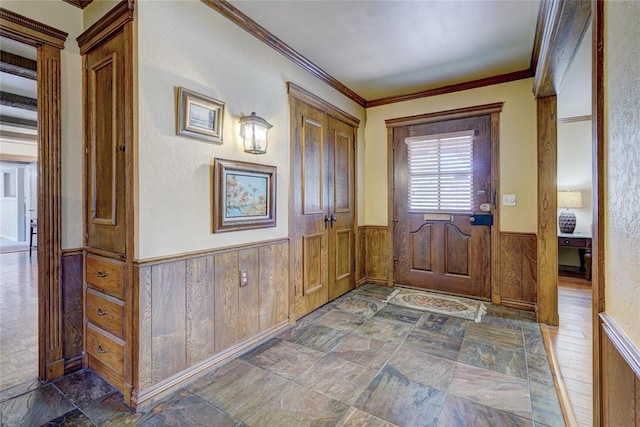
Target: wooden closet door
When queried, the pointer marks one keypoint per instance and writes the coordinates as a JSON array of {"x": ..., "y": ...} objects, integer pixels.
[
  {"x": 341, "y": 208},
  {"x": 322, "y": 207},
  {"x": 105, "y": 145},
  {"x": 309, "y": 230}
]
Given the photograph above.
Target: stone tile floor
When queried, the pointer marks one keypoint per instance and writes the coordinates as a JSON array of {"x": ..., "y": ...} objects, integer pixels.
[{"x": 354, "y": 362}]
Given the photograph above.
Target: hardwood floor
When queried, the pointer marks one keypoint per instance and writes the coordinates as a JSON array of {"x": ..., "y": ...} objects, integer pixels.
[
  {"x": 18, "y": 319},
  {"x": 572, "y": 345}
]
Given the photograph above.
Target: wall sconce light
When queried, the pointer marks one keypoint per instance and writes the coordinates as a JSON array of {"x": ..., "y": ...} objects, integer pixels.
[
  {"x": 567, "y": 219},
  {"x": 253, "y": 131}
]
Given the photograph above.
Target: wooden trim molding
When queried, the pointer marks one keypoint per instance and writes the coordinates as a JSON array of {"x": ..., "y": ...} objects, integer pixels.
[
  {"x": 49, "y": 207},
  {"x": 49, "y": 41},
  {"x": 547, "y": 275},
  {"x": 564, "y": 24},
  {"x": 79, "y": 3},
  {"x": 473, "y": 84},
  {"x": 309, "y": 98},
  {"x": 139, "y": 263},
  {"x": 478, "y": 110},
  {"x": 252, "y": 27},
  {"x": 113, "y": 21},
  {"x": 29, "y": 31},
  {"x": 629, "y": 352},
  {"x": 558, "y": 379},
  {"x": 574, "y": 119},
  {"x": 598, "y": 202}
]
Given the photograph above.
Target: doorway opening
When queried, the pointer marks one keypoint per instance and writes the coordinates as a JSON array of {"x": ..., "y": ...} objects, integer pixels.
[{"x": 18, "y": 216}]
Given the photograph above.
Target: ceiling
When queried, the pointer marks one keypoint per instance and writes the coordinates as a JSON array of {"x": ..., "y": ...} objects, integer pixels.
[
  {"x": 397, "y": 47},
  {"x": 16, "y": 85}
]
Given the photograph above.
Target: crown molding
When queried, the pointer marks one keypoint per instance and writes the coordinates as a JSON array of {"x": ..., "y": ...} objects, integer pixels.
[
  {"x": 79, "y": 3},
  {"x": 26, "y": 30},
  {"x": 473, "y": 84}
]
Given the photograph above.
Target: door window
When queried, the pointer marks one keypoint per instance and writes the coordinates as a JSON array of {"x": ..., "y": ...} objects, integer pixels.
[{"x": 440, "y": 172}]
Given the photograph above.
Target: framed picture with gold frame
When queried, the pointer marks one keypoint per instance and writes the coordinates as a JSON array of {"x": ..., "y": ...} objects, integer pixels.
[
  {"x": 199, "y": 116},
  {"x": 244, "y": 196}
]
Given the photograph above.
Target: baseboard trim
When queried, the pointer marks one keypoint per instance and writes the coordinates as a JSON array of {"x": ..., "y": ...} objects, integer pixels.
[
  {"x": 558, "y": 380},
  {"x": 629, "y": 352},
  {"x": 73, "y": 364},
  {"x": 520, "y": 305},
  {"x": 158, "y": 391},
  {"x": 366, "y": 280}
]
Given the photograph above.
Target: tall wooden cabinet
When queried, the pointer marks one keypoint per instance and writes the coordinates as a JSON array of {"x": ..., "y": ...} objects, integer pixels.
[
  {"x": 323, "y": 212},
  {"x": 106, "y": 50}
]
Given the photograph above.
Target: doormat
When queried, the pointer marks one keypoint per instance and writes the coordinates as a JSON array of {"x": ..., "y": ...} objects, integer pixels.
[{"x": 463, "y": 308}]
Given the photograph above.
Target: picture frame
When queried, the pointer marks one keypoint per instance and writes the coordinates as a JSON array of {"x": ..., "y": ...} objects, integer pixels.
[
  {"x": 244, "y": 196},
  {"x": 199, "y": 116}
]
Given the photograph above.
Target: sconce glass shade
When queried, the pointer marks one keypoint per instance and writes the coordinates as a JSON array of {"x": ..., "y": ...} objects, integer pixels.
[{"x": 253, "y": 131}]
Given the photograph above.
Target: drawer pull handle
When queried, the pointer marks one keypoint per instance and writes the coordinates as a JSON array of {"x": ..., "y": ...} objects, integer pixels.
[
  {"x": 101, "y": 350},
  {"x": 102, "y": 313},
  {"x": 566, "y": 242},
  {"x": 101, "y": 274}
]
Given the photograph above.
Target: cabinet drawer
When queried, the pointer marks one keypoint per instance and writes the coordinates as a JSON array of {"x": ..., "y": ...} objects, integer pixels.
[
  {"x": 106, "y": 348},
  {"x": 106, "y": 275},
  {"x": 572, "y": 242},
  {"x": 106, "y": 312}
]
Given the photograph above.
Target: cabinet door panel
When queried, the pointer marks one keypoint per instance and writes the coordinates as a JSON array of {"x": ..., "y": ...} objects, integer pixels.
[{"x": 106, "y": 148}]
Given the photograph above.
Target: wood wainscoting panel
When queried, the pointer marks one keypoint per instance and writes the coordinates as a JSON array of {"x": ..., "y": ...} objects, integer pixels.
[
  {"x": 620, "y": 375},
  {"x": 145, "y": 322},
  {"x": 227, "y": 281},
  {"x": 273, "y": 291},
  {"x": 200, "y": 309},
  {"x": 248, "y": 295},
  {"x": 168, "y": 322},
  {"x": 374, "y": 253},
  {"x": 72, "y": 319},
  {"x": 194, "y": 313},
  {"x": 517, "y": 275}
]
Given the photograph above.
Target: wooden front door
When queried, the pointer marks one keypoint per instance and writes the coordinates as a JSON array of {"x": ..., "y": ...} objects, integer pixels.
[
  {"x": 442, "y": 185},
  {"x": 322, "y": 207}
]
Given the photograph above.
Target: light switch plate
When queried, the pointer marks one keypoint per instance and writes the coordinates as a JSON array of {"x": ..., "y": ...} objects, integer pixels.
[{"x": 509, "y": 200}]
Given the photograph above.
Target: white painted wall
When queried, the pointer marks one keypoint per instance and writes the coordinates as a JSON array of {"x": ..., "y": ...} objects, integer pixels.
[
  {"x": 622, "y": 127},
  {"x": 68, "y": 18},
  {"x": 188, "y": 44},
  {"x": 518, "y": 149},
  {"x": 574, "y": 173}
]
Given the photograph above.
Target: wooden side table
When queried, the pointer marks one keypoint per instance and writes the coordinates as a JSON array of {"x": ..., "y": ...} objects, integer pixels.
[{"x": 581, "y": 242}]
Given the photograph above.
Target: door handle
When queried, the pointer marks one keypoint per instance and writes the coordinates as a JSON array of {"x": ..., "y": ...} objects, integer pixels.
[
  {"x": 326, "y": 221},
  {"x": 332, "y": 219}
]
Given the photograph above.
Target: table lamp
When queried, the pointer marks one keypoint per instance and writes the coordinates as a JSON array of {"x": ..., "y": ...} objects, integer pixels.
[{"x": 567, "y": 219}]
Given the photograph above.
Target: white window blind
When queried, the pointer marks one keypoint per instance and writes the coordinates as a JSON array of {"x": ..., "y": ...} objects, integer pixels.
[{"x": 441, "y": 172}]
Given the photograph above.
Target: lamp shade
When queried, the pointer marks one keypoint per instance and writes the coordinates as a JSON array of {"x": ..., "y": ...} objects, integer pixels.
[
  {"x": 253, "y": 131},
  {"x": 569, "y": 199}
]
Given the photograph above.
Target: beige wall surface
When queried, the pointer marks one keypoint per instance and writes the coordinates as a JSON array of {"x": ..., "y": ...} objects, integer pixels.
[
  {"x": 190, "y": 45},
  {"x": 67, "y": 18},
  {"x": 622, "y": 128},
  {"x": 574, "y": 173},
  {"x": 518, "y": 149}
]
